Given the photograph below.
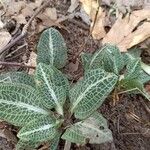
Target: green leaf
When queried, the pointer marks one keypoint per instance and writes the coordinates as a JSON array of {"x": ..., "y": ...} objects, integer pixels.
[
  {"x": 54, "y": 142},
  {"x": 20, "y": 103},
  {"x": 88, "y": 94},
  {"x": 133, "y": 69},
  {"x": 74, "y": 135},
  {"x": 93, "y": 130},
  {"x": 17, "y": 77},
  {"x": 52, "y": 85},
  {"x": 131, "y": 84},
  {"x": 126, "y": 58},
  {"x": 135, "y": 52},
  {"x": 134, "y": 86},
  {"x": 26, "y": 145},
  {"x": 131, "y": 55},
  {"x": 146, "y": 68},
  {"x": 86, "y": 57},
  {"x": 112, "y": 59},
  {"x": 52, "y": 48},
  {"x": 56, "y": 76},
  {"x": 39, "y": 130},
  {"x": 144, "y": 77},
  {"x": 109, "y": 58},
  {"x": 97, "y": 60}
]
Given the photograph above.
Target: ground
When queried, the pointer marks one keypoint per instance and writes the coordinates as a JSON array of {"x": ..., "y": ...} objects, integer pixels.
[{"x": 129, "y": 119}]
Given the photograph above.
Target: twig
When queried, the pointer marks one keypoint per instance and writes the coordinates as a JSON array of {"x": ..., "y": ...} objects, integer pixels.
[
  {"x": 25, "y": 28},
  {"x": 13, "y": 52},
  {"x": 145, "y": 106},
  {"x": 16, "y": 64},
  {"x": 80, "y": 24},
  {"x": 67, "y": 145},
  {"x": 132, "y": 133}
]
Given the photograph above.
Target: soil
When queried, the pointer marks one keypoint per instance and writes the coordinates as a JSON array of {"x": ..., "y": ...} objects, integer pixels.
[{"x": 129, "y": 119}]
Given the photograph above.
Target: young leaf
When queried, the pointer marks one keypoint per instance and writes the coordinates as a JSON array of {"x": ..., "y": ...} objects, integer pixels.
[
  {"x": 109, "y": 58},
  {"x": 20, "y": 103},
  {"x": 93, "y": 130},
  {"x": 52, "y": 48},
  {"x": 17, "y": 77},
  {"x": 133, "y": 69},
  {"x": 39, "y": 130},
  {"x": 112, "y": 59},
  {"x": 52, "y": 85},
  {"x": 89, "y": 94},
  {"x": 26, "y": 145}
]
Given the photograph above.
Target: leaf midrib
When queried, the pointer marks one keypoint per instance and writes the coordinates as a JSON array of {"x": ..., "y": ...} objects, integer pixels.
[
  {"x": 51, "y": 91},
  {"x": 45, "y": 127},
  {"x": 86, "y": 90},
  {"x": 51, "y": 47},
  {"x": 24, "y": 105},
  {"x": 96, "y": 56}
]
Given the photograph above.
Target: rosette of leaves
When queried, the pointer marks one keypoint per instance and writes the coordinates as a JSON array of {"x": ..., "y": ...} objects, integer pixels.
[
  {"x": 131, "y": 71},
  {"x": 45, "y": 107}
]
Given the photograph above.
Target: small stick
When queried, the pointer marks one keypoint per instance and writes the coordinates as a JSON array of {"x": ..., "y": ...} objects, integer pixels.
[
  {"x": 145, "y": 106},
  {"x": 67, "y": 145},
  {"x": 25, "y": 28},
  {"x": 80, "y": 24},
  {"x": 16, "y": 64}
]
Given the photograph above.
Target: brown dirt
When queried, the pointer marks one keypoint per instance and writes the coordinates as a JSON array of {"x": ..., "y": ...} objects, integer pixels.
[{"x": 128, "y": 119}]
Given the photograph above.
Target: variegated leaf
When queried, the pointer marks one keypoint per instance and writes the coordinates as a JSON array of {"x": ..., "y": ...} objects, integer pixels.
[
  {"x": 56, "y": 76},
  {"x": 88, "y": 95},
  {"x": 135, "y": 77},
  {"x": 20, "y": 103},
  {"x": 146, "y": 68},
  {"x": 52, "y": 48},
  {"x": 52, "y": 85},
  {"x": 17, "y": 77},
  {"x": 133, "y": 69},
  {"x": 26, "y": 145},
  {"x": 135, "y": 52},
  {"x": 85, "y": 57},
  {"x": 92, "y": 130},
  {"x": 40, "y": 130},
  {"x": 112, "y": 59},
  {"x": 144, "y": 77},
  {"x": 54, "y": 142},
  {"x": 96, "y": 60},
  {"x": 109, "y": 58}
]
